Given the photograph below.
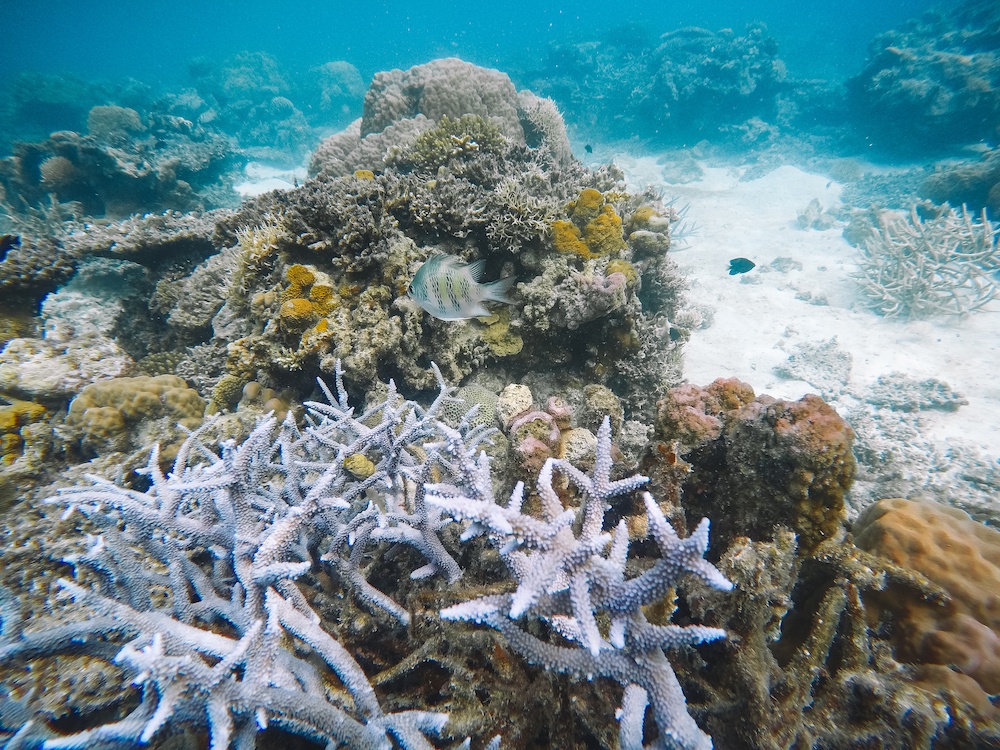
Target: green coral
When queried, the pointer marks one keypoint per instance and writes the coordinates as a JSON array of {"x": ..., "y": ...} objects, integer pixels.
[{"x": 499, "y": 338}]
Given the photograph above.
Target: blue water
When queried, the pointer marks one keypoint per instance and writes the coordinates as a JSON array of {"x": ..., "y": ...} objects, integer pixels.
[{"x": 154, "y": 41}]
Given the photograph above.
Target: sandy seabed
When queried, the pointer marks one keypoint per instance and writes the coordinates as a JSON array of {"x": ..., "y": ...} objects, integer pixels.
[{"x": 761, "y": 318}]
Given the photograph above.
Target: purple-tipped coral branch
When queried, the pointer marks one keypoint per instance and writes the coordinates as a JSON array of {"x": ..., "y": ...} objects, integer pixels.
[
  {"x": 196, "y": 577},
  {"x": 569, "y": 571}
]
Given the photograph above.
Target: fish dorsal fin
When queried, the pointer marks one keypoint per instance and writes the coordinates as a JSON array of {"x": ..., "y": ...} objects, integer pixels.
[{"x": 476, "y": 269}]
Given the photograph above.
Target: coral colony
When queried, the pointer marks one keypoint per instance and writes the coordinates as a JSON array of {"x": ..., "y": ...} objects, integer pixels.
[{"x": 191, "y": 587}]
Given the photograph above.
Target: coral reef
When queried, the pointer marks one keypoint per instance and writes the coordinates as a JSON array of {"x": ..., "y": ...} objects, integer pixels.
[
  {"x": 939, "y": 74},
  {"x": 805, "y": 600},
  {"x": 225, "y": 626},
  {"x": 123, "y": 166},
  {"x": 476, "y": 183},
  {"x": 691, "y": 83},
  {"x": 972, "y": 183}
]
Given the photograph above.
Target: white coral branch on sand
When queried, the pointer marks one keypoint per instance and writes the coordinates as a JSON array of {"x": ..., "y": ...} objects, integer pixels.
[{"x": 914, "y": 268}]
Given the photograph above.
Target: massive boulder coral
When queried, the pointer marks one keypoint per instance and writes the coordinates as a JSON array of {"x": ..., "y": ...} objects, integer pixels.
[
  {"x": 490, "y": 183},
  {"x": 959, "y": 629},
  {"x": 400, "y": 105},
  {"x": 447, "y": 86},
  {"x": 124, "y": 414}
]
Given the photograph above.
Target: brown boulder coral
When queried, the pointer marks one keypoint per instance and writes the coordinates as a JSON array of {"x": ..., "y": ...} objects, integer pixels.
[
  {"x": 131, "y": 413},
  {"x": 962, "y": 557},
  {"x": 759, "y": 463}
]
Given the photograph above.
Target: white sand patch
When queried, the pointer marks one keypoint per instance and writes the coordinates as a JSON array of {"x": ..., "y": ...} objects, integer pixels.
[
  {"x": 261, "y": 178},
  {"x": 765, "y": 315}
]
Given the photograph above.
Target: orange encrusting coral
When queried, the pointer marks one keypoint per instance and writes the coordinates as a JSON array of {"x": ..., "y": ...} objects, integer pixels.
[{"x": 595, "y": 228}]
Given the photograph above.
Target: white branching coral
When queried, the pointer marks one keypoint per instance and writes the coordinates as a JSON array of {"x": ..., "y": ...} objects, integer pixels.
[
  {"x": 570, "y": 573},
  {"x": 232, "y": 644},
  {"x": 198, "y": 587},
  {"x": 944, "y": 266}
]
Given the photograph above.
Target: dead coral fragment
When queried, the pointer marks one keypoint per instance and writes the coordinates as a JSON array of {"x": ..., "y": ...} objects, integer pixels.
[{"x": 916, "y": 269}]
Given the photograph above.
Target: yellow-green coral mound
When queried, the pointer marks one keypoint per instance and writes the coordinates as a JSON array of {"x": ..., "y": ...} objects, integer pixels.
[{"x": 109, "y": 415}]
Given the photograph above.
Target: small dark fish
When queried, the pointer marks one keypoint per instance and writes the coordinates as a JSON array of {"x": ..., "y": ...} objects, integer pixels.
[
  {"x": 588, "y": 148},
  {"x": 7, "y": 241},
  {"x": 740, "y": 265}
]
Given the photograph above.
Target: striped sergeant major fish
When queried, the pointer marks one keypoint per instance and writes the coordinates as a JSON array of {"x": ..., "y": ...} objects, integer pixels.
[{"x": 449, "y": 289}]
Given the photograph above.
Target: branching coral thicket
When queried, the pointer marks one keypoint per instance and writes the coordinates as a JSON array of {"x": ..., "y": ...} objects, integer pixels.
[
  {"x": 570, "y": 573},
  {"x": 203, "y": 589},
  {"x": 210, "y": 635},
  {"x": 916, "y": 268}
]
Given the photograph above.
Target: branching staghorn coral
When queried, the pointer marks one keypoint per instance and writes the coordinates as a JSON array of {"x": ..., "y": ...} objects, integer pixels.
[
  {"x": 203, "y": 590},
  {"x": 915, "y": 269},
  {"x": 195, "y": 579},
  {"x": 570, "y": 573}
]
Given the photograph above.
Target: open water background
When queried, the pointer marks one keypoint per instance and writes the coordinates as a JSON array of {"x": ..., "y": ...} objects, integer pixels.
[{"x": 154, "y": 41}]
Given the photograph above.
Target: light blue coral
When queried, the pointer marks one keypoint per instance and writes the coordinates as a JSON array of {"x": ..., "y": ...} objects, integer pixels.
[{"x": 236, "y": 646}]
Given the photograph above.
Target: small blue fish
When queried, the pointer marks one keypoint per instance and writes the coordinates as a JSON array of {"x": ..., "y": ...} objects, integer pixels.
[
  {"x": 449, "y": 289},
  {"x": 740, "y": 265}
]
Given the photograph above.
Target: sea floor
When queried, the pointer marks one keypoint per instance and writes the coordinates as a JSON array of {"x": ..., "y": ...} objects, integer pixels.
[{"x": 798, "y": 322}]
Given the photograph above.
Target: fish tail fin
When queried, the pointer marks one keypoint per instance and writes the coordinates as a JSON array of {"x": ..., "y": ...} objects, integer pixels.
[{"x": 499, "y": 291}]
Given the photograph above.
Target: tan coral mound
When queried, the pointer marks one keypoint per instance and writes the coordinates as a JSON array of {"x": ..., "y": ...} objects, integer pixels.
[
  {"x": 962, "y": 557},
  {"x": 108, "y": 415}
]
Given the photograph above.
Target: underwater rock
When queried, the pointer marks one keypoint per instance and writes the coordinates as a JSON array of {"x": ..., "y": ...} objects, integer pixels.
[{"x": 758, "y": 463}]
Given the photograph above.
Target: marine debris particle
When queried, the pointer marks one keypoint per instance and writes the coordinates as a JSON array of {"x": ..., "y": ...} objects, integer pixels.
[
  {"x": 449, "y": 289},
  {"x": 7, "y": 241},
  {"x": 740, "y": 265}
]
